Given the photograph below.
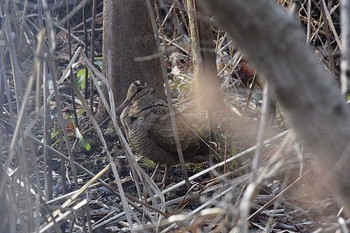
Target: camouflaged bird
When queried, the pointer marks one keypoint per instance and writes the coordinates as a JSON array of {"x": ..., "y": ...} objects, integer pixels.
[{"x": 147, "y": 124}]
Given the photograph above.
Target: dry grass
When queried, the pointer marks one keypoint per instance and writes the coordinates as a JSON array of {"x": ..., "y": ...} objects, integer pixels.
[{"x": 264, "y": 182}]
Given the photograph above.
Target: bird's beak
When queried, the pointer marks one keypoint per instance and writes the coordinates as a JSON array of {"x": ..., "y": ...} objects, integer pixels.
[{"x": 122, "y": 106}]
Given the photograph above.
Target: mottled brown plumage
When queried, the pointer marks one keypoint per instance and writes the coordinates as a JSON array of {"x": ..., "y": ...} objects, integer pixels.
[{"x": 147, "y": 124}]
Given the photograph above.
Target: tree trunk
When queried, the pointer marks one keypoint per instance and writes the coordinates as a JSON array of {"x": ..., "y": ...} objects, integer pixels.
[
  {"x": 133, "y": 48},
  {"x": 274, "y": 42}
]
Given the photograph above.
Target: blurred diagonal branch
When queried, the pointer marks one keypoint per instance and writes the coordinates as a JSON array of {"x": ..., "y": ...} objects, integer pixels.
[{"x": 305, "y": 90}]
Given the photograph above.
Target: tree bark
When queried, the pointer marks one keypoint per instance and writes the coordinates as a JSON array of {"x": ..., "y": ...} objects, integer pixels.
[
  {"x": 133, "y": 48},
  {"x": 275, "y": 43}
]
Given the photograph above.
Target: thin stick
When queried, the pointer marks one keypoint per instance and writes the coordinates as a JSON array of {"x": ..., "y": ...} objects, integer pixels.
[{"x": 170, "y": 105}]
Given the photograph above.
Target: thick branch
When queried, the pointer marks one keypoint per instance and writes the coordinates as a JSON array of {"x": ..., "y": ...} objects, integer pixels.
[
  {"x": 274, "y": 42},
  {"x": 345, "y": 47}
]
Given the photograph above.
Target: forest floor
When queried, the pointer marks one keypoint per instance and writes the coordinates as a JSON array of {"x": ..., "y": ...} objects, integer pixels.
[{"x": 290, "y": 199}]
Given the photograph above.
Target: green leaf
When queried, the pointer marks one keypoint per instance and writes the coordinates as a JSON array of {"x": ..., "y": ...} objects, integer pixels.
[
  {"x": 82, "y": 142},
  {"x": 81, "y": 72},
  {"x": 87, "y": 146},
  {"x": 54, "y": 134},
  {"x": 79, "y": 81}
]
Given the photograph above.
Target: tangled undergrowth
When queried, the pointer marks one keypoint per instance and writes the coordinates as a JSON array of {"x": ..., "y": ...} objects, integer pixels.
[{"x": 55, "y": 161}]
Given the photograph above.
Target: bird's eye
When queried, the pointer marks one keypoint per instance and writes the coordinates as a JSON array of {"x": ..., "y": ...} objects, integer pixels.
[{"x": 139, "y": 88}]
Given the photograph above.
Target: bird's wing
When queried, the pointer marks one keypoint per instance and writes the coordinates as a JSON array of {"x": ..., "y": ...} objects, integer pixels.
[{"x": 162, "y": 134}]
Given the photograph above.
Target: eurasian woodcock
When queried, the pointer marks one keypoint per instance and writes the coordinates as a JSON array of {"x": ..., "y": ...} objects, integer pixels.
[{"x": 147, "y": 124}]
